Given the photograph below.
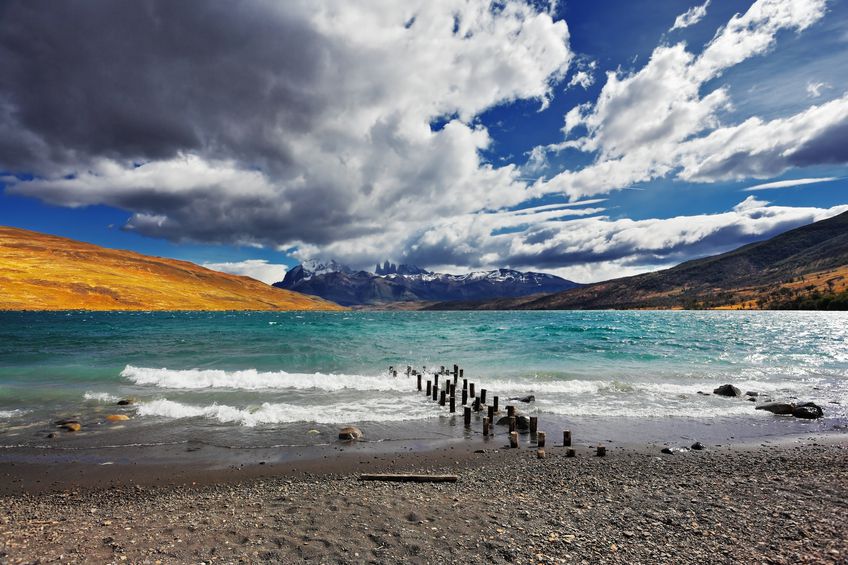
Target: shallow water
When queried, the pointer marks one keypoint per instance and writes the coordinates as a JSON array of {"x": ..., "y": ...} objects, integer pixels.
[{"x": 270, "y": 378}]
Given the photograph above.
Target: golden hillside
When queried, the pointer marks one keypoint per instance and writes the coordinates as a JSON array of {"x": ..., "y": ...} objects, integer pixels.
[{"x": 45, "y": 272}]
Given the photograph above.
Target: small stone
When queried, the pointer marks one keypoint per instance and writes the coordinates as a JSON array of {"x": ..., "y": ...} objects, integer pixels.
[
  {"x": 117, "y": 417},
  {"x": 697, "y": 446},
  {"x": 126, "y": 401},
  {"x": 71, "y": 426},
  {"x": 667, "y": 451},
  {"x": 350, "y": 433}
]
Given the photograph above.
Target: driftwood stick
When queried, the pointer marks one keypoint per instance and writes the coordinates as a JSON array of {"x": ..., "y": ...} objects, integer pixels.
[{"x": 406, "y": 478}]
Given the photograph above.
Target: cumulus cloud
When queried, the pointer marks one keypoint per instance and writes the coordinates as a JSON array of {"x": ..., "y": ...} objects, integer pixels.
[
  {"x": 789, "y": 183},
  {"x": 301, "y": 122},
  {"x": 595, "y": 248},
  {"x": 259, "y": 269},
  {"x": 691, "y": 16},
  {"x": 660, "y": 121}
]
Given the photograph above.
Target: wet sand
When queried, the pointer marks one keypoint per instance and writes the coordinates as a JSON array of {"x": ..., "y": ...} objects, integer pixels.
[{"x": 777, "y": 502}]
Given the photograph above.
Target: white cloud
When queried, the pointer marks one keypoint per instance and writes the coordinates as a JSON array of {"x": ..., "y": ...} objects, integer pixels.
[
  {"x": 658, "y": 121},
  {"x": 582, "y": 79},
  {"x": 259, "y": 269},
  {"x": 814, "y": 89},
  {"x": 314, "y": 126},
  {"x": 788, "y": 183},
  {"x": 691, "y": 16}
]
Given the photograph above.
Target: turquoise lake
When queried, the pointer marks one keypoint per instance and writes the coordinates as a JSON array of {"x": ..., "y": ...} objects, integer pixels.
[{"x": 299, "y": 370}]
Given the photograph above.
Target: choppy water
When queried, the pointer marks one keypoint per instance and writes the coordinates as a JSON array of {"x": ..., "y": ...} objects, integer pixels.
[{"x": 287, "y": 371}]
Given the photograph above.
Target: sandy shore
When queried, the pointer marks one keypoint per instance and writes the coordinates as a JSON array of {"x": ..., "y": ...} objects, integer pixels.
[{"x": 781, "y": 503}]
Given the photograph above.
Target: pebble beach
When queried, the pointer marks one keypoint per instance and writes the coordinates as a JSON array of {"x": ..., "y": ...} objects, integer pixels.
[{"x": 769, "y": 503}]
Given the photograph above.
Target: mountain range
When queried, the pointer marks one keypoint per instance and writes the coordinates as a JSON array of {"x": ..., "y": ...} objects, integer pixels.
[
  {"x": 805, "y": 268},
  {"x": 392, "y": 284},
  {"x": 46, "y": 272}
]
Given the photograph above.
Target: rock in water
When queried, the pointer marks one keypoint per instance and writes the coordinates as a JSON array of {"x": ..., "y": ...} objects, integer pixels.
[
  {"x": 808, "y": 411},
  {"x": 528, "y": 398},
  {"x": 350, "y": 433},
  {"x": 727, "y": 390},
  {"x": 697, "y": 446},
  {"x": 777, "y": 407},
  {"x": 117, "y": 417},
  {"x": 126, "y": 401},
  {"x": 522, "y": 422},
  {"x": 72, "y": 426}
]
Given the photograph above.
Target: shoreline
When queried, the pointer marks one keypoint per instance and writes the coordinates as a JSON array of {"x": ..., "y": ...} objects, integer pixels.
[{"x": 779, "y": 503}]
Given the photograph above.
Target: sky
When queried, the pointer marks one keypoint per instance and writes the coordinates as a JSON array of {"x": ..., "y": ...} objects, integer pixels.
[{"x": 586, "y": 139}]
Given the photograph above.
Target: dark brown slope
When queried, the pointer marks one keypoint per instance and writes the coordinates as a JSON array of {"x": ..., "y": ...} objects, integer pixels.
[{"x": 808, "y": 261}]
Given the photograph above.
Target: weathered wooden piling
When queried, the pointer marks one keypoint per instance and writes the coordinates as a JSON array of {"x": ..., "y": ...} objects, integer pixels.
[
  {"x": 471, "y": 390},
  {"x": 435, "y": 392},
  {"x": 464, "y": 384},
  {"x": 452, "y": 404},
  {"x": 482, "y": 396},
  {"x": 442, "y": 398},
  {"x": 602, "y": 450},
  {"x": 467, "y": 415},
  {"x": 566, "y": 438},
  {"x": 436, "y": 381},
  {"x": 540, "y": 439},
  {"x": 461, "y": 372},
  {"x": 511, "y": 423},
  {"x": 419, "y": 381},
  {"x": 510, "y": 411},
  {"x": 495, "y": 403},
  {"x": 486, "y": 426},
  {"x": 455, "y": 369},
  {"x": 534, "y": 424},
  {"x": 492, "y": 414},
  {"x": 464, "y": 396},
  {"x": 476, "y": 404},
  {"x": 570, "y": 453},
  {"x": 513, "y": 439},
  {"x": 429, "y": 387}
]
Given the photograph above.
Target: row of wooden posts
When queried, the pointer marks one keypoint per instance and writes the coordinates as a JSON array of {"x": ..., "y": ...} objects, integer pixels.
[{"x": 447, "y": 395}]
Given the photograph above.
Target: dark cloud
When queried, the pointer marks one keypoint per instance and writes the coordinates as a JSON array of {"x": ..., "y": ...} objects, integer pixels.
[{"x": 149, "y": 79}]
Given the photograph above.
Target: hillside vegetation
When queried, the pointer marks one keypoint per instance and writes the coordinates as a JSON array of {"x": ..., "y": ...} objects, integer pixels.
[{"x": 45, "y": 272}]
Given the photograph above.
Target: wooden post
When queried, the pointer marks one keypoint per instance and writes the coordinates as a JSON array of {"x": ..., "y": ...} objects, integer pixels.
[
  {"x": 486, "y": 426},
  {"x": 435, "y": 392},
  {"x": 492, "y": 414},
  {"x": 513, "y": 439},
  {"x": 429, "y": 387},
  {"x": 570, "y": 453},
  {"x": 455, "y": 369},
  {"x": 464, "y": 384},
  {"x": 452, "y": 404},
  {"x": 442, "y": 371},
  {"x": 476, "y": 404},
  {"x": 511, "y": 423},
  {"x": 467, "y": 414},
  {"x": 566, "y": 438},
  {"x": 408, "y": 370},
  {"x": 471, "y": 390},
  {"x": 540, "y": 439},
  {"x": 510, "y": 411},
  {"x": 436, "y": 381},
  {"x": 482, "y": 396},
  {"x": 464, "y": 396},
  {"x": 461, "y": 372},
  {"x": 452, "y": 390},
  {"x": 602, "y": 450},
  {"x": 540, "y": 453},
  {"x": 419, "y": 382},
  {"x": 534, "y": 424},
  {"x": 442, "y": 398},
  {"x": 495, "y": 403}
]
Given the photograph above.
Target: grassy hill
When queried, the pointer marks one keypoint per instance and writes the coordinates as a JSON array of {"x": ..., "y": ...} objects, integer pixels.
[
  {"x": 803, "y": 268},
  {"x": 45, "y": 272}
]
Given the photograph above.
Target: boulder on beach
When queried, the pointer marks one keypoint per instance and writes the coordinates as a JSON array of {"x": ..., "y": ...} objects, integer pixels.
[
  {"x": 727, "y": 390},
  {"x": 350, "y": 433},
  {"x": 779, "y": 408},
  {"x": 808, "y": 411},
  {"x": 521, "y": 422},
  {"x": 697, "y": 446}
]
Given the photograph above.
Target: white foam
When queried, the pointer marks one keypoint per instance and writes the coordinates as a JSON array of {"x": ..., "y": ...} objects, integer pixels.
[
  {"x": 279, "y": 413},
  {"x": 7, "y": 414},
  {"x": 251, "y": 379},
  {"x": 104, "y": 397}
]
